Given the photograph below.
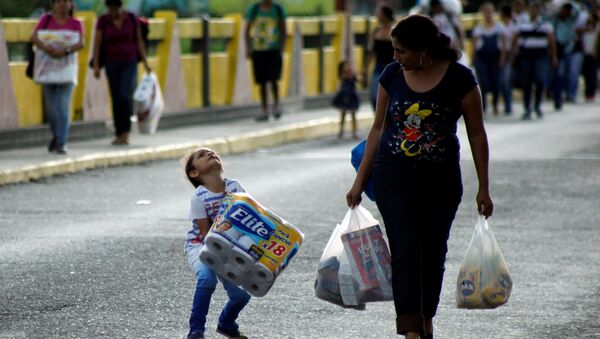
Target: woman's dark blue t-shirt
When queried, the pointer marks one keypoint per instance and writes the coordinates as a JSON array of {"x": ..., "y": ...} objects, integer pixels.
[{"x": 422, "y": 126}]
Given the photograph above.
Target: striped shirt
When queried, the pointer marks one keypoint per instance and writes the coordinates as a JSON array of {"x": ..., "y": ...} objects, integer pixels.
[{"x": 534, "y": 35}]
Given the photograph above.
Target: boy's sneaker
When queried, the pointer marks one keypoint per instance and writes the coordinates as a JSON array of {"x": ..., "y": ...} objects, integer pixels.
[
  {"x": 196, "y": 335},
  {"x": 230, "y": 334}
]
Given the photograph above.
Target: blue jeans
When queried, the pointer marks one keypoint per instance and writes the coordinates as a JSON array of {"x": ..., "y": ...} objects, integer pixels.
[
  {"x": 574, "y": 71},
  {"x": 560, "y": 80},
  {"x": 534, "y": 71},
  {"x": 122, "y": 77},
  {"x": 488, "y": 72},
  {"x": 57, "y": 103},
  {"x": 206, "y": 282},
  {"x": 506, "y": 86}
]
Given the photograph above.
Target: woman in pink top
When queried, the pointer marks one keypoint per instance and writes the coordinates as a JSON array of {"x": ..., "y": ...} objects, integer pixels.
[
  {"x": 57, "y": 97},
  {"x": 119, "y": 45}
]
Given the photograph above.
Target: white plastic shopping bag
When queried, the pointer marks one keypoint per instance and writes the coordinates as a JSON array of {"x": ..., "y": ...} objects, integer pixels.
[
  {"x": 483, "y": 280},
  {"x": 148, "y": 104},
  {"x": 56, "y": 70},
  {"x": 355, "y": 267}
]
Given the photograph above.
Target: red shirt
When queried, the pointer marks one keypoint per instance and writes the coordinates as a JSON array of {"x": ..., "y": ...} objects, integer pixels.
[
  {"x": 120, "y": 44},
  {"x": 72, "y": 24}
]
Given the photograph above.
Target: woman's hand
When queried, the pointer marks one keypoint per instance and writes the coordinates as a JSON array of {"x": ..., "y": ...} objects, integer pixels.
[
  {"x": 96, "y": 72},
  {"x": 147, "y": 67},
  {"x": 485, "y": 206},
  {"x": 354, "y": 196}
]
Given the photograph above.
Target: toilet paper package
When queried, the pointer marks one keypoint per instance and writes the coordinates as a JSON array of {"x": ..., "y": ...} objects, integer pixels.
[
  {"x": 254, "y": 244},
  {"x": 483, "y": 280}
]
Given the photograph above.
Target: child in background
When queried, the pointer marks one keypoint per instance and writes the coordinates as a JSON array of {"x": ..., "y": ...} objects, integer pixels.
[
  {"x": 204, "y": 169},
  {"x": 346, "y": 99}
]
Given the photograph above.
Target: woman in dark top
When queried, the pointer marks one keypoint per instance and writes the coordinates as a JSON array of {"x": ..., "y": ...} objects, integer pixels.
[
  {"x": 380, "y": 48},
  {"x": 412, "y": 155},
  {"x": 119, "y": 45}
]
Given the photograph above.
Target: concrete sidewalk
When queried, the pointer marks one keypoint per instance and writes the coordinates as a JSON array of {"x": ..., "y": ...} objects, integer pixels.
[{"x": 230, "y": 137}]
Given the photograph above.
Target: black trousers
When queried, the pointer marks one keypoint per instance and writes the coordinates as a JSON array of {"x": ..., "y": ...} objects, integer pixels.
[
  {"x": 418, "y": 201},
  {"x": 122, "y": 76}
]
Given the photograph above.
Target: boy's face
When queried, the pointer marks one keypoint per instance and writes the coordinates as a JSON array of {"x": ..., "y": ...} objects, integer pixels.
[{"x": 205, "y": 160}]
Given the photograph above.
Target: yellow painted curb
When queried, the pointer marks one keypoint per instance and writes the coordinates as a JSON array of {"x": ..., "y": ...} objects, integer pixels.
[{"x": 243, "y": 143}]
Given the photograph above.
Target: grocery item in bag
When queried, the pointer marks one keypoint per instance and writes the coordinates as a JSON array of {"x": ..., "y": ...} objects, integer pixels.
[
  {"x": 249, "y": 245},
  {"x": 483, "y": 280},
  {"x": 48, "y": 69},
  {"x": 355, "y": 266},
  {"x": 148, "y": 104}
]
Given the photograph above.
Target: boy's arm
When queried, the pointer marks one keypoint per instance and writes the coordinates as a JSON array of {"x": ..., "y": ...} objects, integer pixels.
[{"x": 203, "y": 226}]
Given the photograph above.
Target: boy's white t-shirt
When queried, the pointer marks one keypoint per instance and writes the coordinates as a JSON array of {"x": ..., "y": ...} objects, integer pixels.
[{"x": 205, "y": 204}]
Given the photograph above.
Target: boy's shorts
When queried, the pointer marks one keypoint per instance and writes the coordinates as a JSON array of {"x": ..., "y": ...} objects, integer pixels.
[{"x": 266, "y": 65}]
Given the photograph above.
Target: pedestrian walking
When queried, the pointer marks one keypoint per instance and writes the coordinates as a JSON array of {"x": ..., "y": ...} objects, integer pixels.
[
  {"x": 520, "y": 13},
  {"x": 591, "y": 49},
  {"x": 380, "y": 49},
  {"x": 204, "y": 169},
  {"x": 119, "y": 46},
  {"x": 563, "y": 24},
  {"x": 536, "y": 53},
  {"x": 412, "y": 157},
  {"x": 346, "y": 99},
  {"x": 449, "y": 23},
  {"x": 57, "y": 95},
  {"x": 509, "y": 27},
  {"x": 265, "y": 40},
  {"x": 489, "y": 55}
]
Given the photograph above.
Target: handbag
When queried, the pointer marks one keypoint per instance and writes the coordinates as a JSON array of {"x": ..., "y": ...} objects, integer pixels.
[{"x": 31, "y": 53}]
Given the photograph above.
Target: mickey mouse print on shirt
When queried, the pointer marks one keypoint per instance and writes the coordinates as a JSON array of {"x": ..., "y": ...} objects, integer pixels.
[{"x": 416, "y": 132}]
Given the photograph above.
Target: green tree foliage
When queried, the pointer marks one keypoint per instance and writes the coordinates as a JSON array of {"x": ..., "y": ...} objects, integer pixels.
[{"x": 20, "y": 8}]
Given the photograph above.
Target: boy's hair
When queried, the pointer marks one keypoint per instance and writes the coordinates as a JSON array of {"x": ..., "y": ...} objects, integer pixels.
[
  {"x": 188, "y": 161},
  {"x": 341, "y": 68}
]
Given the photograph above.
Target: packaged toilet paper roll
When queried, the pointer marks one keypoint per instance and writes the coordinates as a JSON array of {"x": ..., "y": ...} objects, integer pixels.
[
  {"x": 217, "y": 243},
  {"x": 211, "y": 259},
  {"x": 240, "y": 257},
  {"x": 225, "y": 228},
  {"x": 257, "y": 288},
  {"x": 234, "y": 273},
  {"x": 261, "y": 273}
]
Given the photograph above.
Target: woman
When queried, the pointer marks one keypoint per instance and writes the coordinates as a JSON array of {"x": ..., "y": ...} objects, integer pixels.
[
  {"x": 380, "y": 48},
  {"x": 57, "y": 96},
  {"x": 489, "y": 56},
  {"x": 119, "y": 45},
  {"x": 412, "y": 155}
]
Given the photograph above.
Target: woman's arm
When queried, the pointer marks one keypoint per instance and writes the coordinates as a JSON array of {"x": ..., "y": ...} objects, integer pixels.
[
  {"x": 353, "y": 198},
  {"x": 552, "y": 45},
  {"x": 473, "y": 115},
  {"x": 96, "y": 52},
  {"x": 141, "y": 48}
]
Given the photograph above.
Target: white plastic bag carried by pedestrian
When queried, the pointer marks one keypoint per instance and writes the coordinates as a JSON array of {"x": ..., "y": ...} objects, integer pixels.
[
  {"x": 355, "y": 267},
  {"x": 148, "y": 104},
  {"x": 483, "y": 280},
  {"x": 48, "y": 69}
]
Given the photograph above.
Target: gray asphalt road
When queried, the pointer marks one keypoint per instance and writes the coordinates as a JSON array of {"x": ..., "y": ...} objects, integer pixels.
[{"x": 79, "y": 257}]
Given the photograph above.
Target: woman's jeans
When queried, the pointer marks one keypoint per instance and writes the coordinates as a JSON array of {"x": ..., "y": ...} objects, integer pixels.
[
  {"x": 535, "y": 71},
  {"x": 122, "y": 77},
  {"x": 488, "y": 73},
  {"x": 418, "y": 201},
  {"x": 57, "y": 103},
  {"x": 206, "y": 282},
  {"x": 506, "y": 86},
  {"x": 590, "y": 75},
  {"x": 375, "y": 84}
]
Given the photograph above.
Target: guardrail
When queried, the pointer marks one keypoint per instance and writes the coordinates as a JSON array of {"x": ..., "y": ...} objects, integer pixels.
[{"x": 210, "y": 70}]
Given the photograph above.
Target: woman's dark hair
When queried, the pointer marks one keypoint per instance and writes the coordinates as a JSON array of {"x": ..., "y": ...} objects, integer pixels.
[
  {"x": 387, "y": 12},
  {"x": 189, "y": 166},
  {"x": 506, "y": 10},
  {"x": 419, "y": 33},
  {"x": 71, "y": 12},
  {"x": 117, "y": 3}
]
